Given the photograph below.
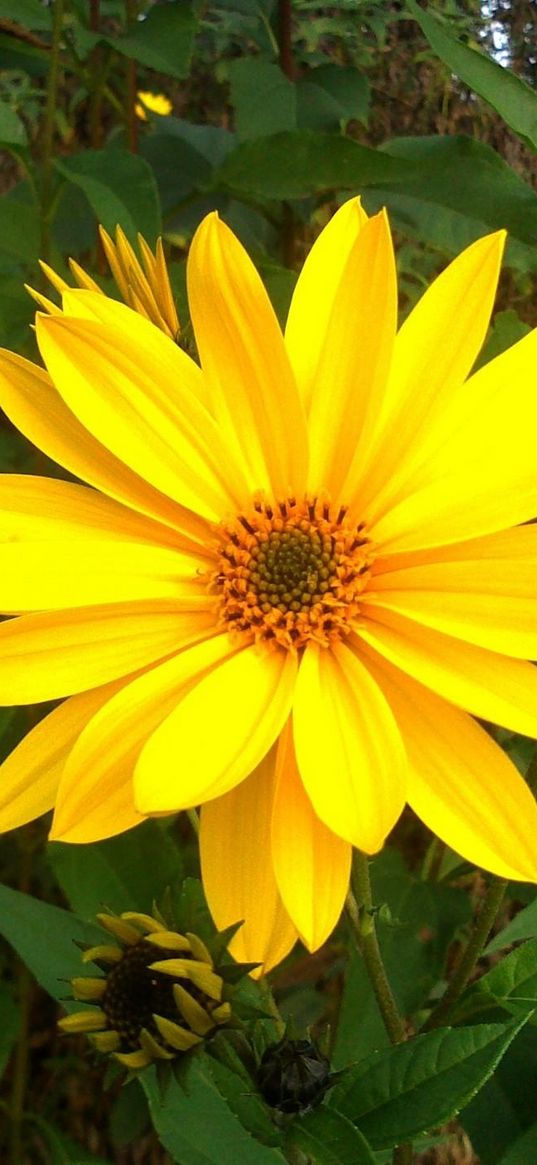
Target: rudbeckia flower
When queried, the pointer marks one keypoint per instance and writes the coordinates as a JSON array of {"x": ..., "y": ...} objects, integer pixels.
[{"x": 298, "y": 576}]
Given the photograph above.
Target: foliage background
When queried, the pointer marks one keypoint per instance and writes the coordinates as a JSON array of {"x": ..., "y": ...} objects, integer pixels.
[{"x": 280, "y": 111}]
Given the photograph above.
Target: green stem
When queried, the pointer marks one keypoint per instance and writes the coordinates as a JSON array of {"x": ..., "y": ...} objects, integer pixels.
[
  {"x": 433, "y": 860},
  {"x": 362, "y": 920},
  {"x": 49, "y": 121},
  {"x": 132, "y": 85},
  {"x": 469, "y": 955}
]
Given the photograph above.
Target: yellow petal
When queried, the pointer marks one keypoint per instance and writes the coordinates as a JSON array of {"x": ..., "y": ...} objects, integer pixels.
[
  {"x": 30, "y": 775},
  {"x": 348, "y": 747},
  {"x": 35, "y": 576},
  {"x": 220, "y": 730},
  {"x": 311, "y": 307},
  {"x": 485, "y": 683},
  {"x": 477, "y": 473},
  {"x": 176, "y": 1036},
  {"x": 482, "y": 591},
  {"x": 47, "y": 655},
  {"x": 91, "y": 1020},
  {"x": 139, "y": 401},
  {"x": 312, "y": 865},
  {"x": 353, "y": 366},
  {"x": 95, "y": 798},
  {"x": 40, "y": 509},
  {"x": 33, "y": 405},
  {"x": 461, "y": 783},
  {"x": 237, "y": 871},
  {"x": 243, "y": 356},
  {"x": 434, "y": 353}
]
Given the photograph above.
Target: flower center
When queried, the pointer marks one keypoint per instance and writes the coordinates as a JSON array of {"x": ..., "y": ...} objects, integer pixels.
[
  {"x": 291, "y": 573},
  {"x": 134, "y": 993}
]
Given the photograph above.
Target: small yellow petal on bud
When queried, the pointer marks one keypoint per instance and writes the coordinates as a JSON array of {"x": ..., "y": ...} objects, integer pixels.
[
  {"x": 146, "y": 922},
  {"x": 106, "y": 1041},
  {"x": 195, "y": 1015},
  {"x": 198, "y": 973},
  {"x": 176, "y": 1036},
  {"x": 120, "y": 929},
  {"x": 133, "y": 1060},
  {"x": 170, "y": 940},
  {"x": 104, "y": 954},
  {"x": 222, "y": 1013},
  {"x": 152, "y": 1046},
  {"x": 198, "y": 948},
  {"x": 83, "y": 1021},
  {"x": 88, "y": 990}
]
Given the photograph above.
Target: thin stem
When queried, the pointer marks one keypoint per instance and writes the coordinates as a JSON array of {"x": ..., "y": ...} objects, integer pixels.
[
  {"x": 469, "y": 955},
  {"x": 433, "y": 860},
  {"x": 132, "y": 86},
  {"x": 362, "y": 920},
  {"x": 49, "y": 127},
  {"x": 285, "y": 38}
]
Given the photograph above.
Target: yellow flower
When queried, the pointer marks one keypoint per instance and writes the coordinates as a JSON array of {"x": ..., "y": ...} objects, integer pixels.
[
  {"x": 143, "y": 286},
  {"x": 159, "y": 995},
  {"x": 155, "y": 102},
  {"x": 300, "y": 573}
]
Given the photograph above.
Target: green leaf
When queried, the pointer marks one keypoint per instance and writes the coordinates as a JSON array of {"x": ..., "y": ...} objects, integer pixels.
[
  {"x": 163, "y": 40},
  {"x": 297, "y": 165},
  {"x": 30, "y": 13},
  {"x": 127, "y": 872},
  {"x": 523, "y": 1150},
  {"x": 119, "y": 187},
  {"x": 330, "y": 1139},
  {"x": 523, "y": 925},
  {"x": 512, "y": 983},
  {"x": 12, "y": 130},
  {"x": 44, "y": 936},
  {"x": 507, "y": 330},
  {"x": 19, "y": 229},
  {"x": 401, "y": 1091},
  {"x": 505, "y": 1108},
  {"x": 263, "y": 98},
  {"x": 331, "y": 94},
  {"x": 195, "y": 1124},
  {"x": 511, "y": 97}
]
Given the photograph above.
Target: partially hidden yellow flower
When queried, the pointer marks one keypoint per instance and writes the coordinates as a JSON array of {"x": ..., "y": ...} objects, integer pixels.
[
  {"x": 159, "y": 994},
  {"x": 144, "y": 286},
  {"x": 154, "y": 102},
  {"x": 298, "y": 575}
]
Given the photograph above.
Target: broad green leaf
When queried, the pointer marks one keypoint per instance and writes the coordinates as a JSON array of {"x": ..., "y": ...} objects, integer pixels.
[
  {"x": 119, "y": 187},
  {"x": 331, "y": 94},
  {"x": 512, "y": 983},
  {"x": 511, "y": 97},
  {"x": 523, "y": 925},
  {"x": 237, "y": 1087},
  {"x": 44, "y": 936},
  {"x": 12, "y": 130},
  {"x": 401, "y": 1091},
  {"x": 127, "y": 872},
  {"x": 31, "y": 14},
  {"x": 129, "y": 1115},
  {"x": 297, "y": 165},
  {"x": 505, "y": 1108},
  {"x": 523, "y": 1150},
  {"x": 483, "y": 192},
  {"x": 263, "y": 98},
  {"x": 177, "y": 167},
  {"x": 163, "y": 40},
  {"x": 19, "y": 230},
  {"x": 195, "y": 1124},
  {"x": 330, "y": 1139}
]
